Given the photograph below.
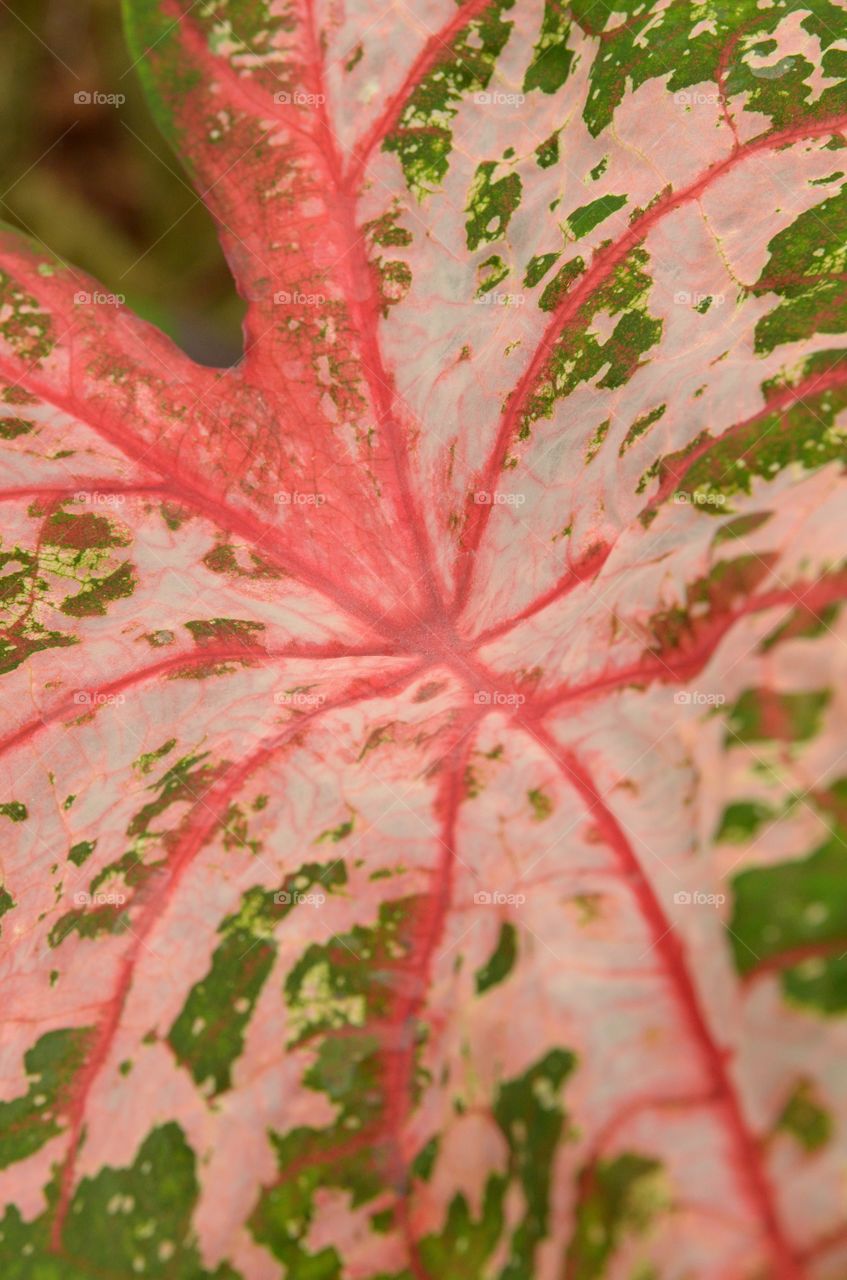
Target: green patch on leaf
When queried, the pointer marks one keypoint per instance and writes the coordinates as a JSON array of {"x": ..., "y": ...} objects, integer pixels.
[
  {"x": 806, "y": 434},
  {"x": 805, "y": 1119},
  {"x": 81, "y": 852},
  {"x": 186, "y": 780},
  {"x": 334, "y": 834},
  {"x": 24, "y": 327},
  {"x": 147, "y": 759},
  {"x": 424, "y": 1162},
  {"x": 537, "y": 268},
  {"x": 803, "y": 623},
  {"x": 351, "y": 979},
  {"x": 347, "y": 1072},
  {"x": 130, "y": 869},
  {"x": 386, "y": 232},
  {"x": 559, "y": 286},
  {"x": 501, "y": 961},
  {"x": 225, "y": 558},
  {"x": 90, "y": 922},
  {"x": 393, "y": 275},
  {"x": 11, "y": 428},
  {"x": 542, "y": 805},
  {"x": 547, "y": 152},
  {"x": 640, "y": 427},
  {"x": 34, "y": 1117},
  {"x": 86, "y": 532},
  {"x": 763, "y": 715},
  {"x": 235, "y": 830},
  {"x": 381, "y": 734},
  {"x": 622, "y": 1198},
  {"x": 340, "y": 987},
  {"x": 232, "y": 631},
  {"x": 596, "y": 441},
  {"x": 491, "y": 204},
  {"x": 740, "y": 527},
  {"x": 173, "y": 515},
  {"x": 422, "y": 138},
  {"x": 14, "y": 810},
  {"x": 726, "y": 584},
  {"x": 579, "y": 355},
  {"x": 528, "y": 1112},
  {"x": 355, "y": 57},
  {"x": 806, "y": 269},
  {"x": 742, "y": 820},
  {"x": 7, "y": 902},
  {"x": 98, "y": 593},
  {"x": 796, "y": 912},
  {"x": 531, "y": 1119},
  {"x": 681, "y": 47},
  {"x": 588, "y": 216},
  {"x": 430, "y": 689},
  {"x": 395, "y": 281},
  {"x": 490, "y": 273},
  {"x": 169, "y": 78},
  {"x": 208, "y": 1035},
  {"x": 551, "y": 58},
  {"x": 138, "y": 1220}
]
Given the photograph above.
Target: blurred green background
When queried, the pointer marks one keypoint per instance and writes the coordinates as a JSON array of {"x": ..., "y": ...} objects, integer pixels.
[{"x": 97, "y": 183}]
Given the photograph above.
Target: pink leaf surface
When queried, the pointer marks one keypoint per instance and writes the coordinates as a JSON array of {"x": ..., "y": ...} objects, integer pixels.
[{"x": 423, "y": 793}]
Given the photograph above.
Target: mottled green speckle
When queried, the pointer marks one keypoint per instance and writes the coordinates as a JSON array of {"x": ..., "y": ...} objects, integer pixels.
[{"x": 422, "y": 137}]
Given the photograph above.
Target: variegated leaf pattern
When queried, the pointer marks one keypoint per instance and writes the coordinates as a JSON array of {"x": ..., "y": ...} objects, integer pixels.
[{"x": 424, "y": 789}]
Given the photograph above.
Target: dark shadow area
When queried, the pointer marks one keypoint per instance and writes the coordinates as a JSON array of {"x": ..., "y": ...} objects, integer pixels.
[{"x": 95, "y": 181}]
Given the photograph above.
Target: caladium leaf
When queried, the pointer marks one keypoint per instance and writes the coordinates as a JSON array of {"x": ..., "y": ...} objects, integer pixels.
[{"x": 423, "y": 797}]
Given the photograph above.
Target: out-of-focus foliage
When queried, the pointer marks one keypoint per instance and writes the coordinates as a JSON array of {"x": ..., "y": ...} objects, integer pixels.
[{"x": 97, "y": 183}]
